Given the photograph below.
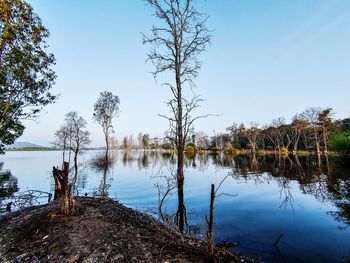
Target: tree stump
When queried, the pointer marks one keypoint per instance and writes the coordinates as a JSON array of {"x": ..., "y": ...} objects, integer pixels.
[{"x": 63, "y": 189}]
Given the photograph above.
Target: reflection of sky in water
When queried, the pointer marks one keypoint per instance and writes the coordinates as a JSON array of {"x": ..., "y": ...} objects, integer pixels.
[{"x": 265, "y": 206}]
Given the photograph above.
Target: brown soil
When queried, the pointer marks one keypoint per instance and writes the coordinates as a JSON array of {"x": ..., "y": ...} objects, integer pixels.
[{"x": 104, "y": 231}]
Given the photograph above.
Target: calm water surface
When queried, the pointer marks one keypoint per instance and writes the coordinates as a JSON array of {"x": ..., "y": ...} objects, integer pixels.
[{"x": 306, "y": 199}]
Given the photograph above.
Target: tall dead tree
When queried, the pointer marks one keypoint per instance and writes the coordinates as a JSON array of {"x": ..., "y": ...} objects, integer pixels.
[{"x": 174, "y": 47}]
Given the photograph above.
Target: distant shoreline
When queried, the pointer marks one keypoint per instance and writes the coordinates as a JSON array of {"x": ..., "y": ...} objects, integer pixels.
[
  {"x": 39, "y": 149},
  {"x": 192, "y": 153}
]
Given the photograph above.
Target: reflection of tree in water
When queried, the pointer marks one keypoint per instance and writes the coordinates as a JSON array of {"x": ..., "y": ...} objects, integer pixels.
[
  {"x": 339, "y": 187},
  {"x": 142, "y": 160},
  {"x": 127, "y": 158},
  {"x": 326, "y": 178},
  {"x": 105, "y": 183},
  {"x": 171, "y": 186},
  {"x": 190, "y": 160},
  {"x": 103, "y": 164},
  {"x": 79, "y": 180},
  {"x": 146, "y": 158}
]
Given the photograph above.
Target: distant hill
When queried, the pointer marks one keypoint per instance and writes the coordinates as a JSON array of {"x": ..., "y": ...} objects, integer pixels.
[{"x": 17, "y": 145}]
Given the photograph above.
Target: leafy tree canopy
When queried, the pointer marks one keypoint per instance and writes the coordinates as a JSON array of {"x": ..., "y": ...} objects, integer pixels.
[
  {"x": 105, "y": 109},
  {"x": 26, "y": 74}
]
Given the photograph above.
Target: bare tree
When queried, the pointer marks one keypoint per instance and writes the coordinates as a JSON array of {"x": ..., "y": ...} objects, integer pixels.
[
  {"x": 62, "y": 136},
  {"x": 73, "y": 136},
  {"x": 277, "y": 132},
  {"x": 311, "y": 117},
  {"x": 105, "y": 109},
  {"x": 252, "y": 135},
  {"x": 233, "y": 133},
  {"x": 80, "y": 136},
  {"x": 201, "y": 140},
  {"x": 175, "y": 46}
]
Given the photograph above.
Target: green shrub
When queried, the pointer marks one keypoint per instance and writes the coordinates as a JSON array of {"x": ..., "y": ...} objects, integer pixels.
[
  {"x": 340, "y": 142},
  {"x": 302, "y": 153},
  {"x": 167, "y": 146},
  {"x": 215, "y": 149},
  {"x": 230, "y": 150},
  {"x": 262, "y": 152}
]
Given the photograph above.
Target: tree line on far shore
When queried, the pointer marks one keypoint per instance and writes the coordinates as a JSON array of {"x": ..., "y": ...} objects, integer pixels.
[{"x": 312, "y": 130}]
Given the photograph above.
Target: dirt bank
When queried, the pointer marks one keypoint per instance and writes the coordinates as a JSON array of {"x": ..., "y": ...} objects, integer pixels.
[{"x": 104, "y": 231}]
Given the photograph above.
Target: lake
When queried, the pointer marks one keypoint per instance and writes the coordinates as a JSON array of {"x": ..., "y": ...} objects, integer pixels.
[{"x": 302, "y": 204}]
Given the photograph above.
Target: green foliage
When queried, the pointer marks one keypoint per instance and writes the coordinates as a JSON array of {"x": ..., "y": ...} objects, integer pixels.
[
  {"x": 145, "y": 141},
  {"x": 262, "y": 152},
  {"x": 345, "y": 125},
  {"x": 340, "y": 141},
  {"x": 302, "y": 153},
  {"x": 190, "y": 148},
  {"x": 105, "y": 109},
  {"x": 230, "y": 150},
  {"x": 26, "y": 76},
  {"x": 167, "y": 146},
  {"x": 215, "y": 149}
]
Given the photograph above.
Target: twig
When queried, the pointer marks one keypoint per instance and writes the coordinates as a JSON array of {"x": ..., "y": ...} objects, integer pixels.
[
  {"x": 278, "y": 240},
  {"x": 161, "y": 250}
]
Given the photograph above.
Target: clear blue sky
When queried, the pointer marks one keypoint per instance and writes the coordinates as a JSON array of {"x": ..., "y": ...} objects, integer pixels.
[{"x": 267, "y": 59}]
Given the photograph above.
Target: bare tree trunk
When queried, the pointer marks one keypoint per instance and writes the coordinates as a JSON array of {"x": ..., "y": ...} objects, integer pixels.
[
  {"x": 104, "y": 186},
  {"x": 180, "y": 214},
  {"x": 75, "y": 164},
  {"x": 254, "y": 165},
  {"x": 325, "y": 140},
  {"x": 180, "y": 146},
  {"x": 107, "y": 144},
  {"x": 296, "y": 142},
  {"x": 63, "y": 189},
  {"x": 210, "y": 222},
  {"x": 317, "y": 142},
  {"x": 75, "y": 171},
  {"x": 319, "y": 163}
]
